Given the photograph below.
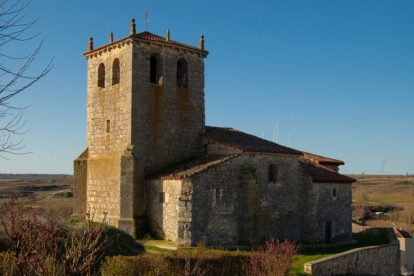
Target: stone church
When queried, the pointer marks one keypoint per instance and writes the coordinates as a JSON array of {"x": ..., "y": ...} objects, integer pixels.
[{"x": 153, "y": 166}]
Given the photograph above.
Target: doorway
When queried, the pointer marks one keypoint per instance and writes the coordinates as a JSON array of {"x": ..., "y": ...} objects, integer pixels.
[{"x": 328, "y": 232}]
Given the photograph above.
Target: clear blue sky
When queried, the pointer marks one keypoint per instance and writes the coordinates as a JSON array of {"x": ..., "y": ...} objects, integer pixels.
[{"x": 337, "y": 75}]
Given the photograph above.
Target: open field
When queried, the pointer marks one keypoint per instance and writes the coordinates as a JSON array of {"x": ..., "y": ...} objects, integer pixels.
[
  {"x": 55, "y": 191},
  {"x": 40, "y": 190},
  {"x": 393, "y": 195},
  {"x": 383, "y": 190}
]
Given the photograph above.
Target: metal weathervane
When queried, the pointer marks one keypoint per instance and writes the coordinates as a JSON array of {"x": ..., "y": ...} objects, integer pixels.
[{"x": 146, "y": 20}]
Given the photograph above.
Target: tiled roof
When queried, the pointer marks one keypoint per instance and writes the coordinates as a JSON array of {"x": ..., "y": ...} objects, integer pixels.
[
  {"x": 321, "y": 159},
  {"x": 245, "y": 142},
  {"x": 401, "y": 234},
  {"x": 189, "y": 167},
  {"x": 150, "y": 37},
  {"x": 321, "y": 173}
]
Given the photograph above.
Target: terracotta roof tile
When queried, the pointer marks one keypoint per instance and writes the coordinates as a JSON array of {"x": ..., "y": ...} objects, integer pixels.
[
  {"x": 152, "y": 37},
  {"x": 189, "y": 167},
  {"x": 401, "y": 234},
  {"x": 321, "y": 159},
  {"x": 321, "y": 173},
  {"x": 245, "y": 142}
]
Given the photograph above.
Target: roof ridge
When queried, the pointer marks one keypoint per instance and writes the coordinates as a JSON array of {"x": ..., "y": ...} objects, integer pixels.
[
  {"x": 178, "y": 171},
  {"x": 324, "y": 167},
  {"x": 248, "y": 143},
  {"x": 313, "y": 169},
  {"x": 141, "y": 35},
  {"x": 320, "y": 158}
]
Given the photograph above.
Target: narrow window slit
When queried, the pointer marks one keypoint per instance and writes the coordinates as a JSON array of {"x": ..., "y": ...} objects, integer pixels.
[
  {"x": 101, "y": 75},
  {"x": 108, "y": 126}
]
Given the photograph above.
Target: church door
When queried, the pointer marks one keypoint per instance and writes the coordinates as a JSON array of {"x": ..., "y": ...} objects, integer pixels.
[{"x": 328, "y": 232}]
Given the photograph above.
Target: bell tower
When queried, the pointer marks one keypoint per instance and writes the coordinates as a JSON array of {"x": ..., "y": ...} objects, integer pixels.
[{"x": 145, "y": 111}]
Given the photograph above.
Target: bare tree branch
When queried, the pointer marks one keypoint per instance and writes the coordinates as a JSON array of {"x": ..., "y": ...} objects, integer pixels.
[{"x": 15, "y": 77}]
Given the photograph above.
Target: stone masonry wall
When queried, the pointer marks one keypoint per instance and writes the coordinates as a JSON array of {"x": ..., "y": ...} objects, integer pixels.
[
  {"x": 80, "y": 176},
  {"x": 212, "y": 148},
  {"x": 383, "y": 260},
  {"x": 163, "y": 208},
  {"x": 320, "y": 206},
  {"x": 167, "y": 121},
  {"x": 134, "y": 127},
  {"x": 103, "y": 189},
  {"x": 111, "y": 103},
  {"x": 407, "y": 255},
  {"x": 109, "y": 186},
  {"x": 217, "y": 202}
]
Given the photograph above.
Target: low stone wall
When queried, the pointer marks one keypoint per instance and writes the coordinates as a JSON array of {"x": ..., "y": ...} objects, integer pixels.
[
  {"x": 356, "y": 227},
  {"x": 381, "y": 231},
  {"x": 372, "y": 260}
]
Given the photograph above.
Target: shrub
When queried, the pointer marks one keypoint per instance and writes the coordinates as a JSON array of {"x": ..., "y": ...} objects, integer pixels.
[
  {"x": 181, "y": 262},
  {"x": 146, "y": 264},
  {"x": 30, "y": 237},
  {"x": 40, "y": 245},
  {"x": 272, "y": 258}
]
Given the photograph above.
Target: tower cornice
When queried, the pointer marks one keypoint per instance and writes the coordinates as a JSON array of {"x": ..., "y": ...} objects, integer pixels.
[{"x": 146, "y": 38}]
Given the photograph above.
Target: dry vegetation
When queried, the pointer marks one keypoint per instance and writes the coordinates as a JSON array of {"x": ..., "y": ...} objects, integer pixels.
[
  {"x": 393, "y": 195},
  {"x": 126, "y": 257},
  {"x": 39, "y": 242},
  {"x": 52, "y": 192}
]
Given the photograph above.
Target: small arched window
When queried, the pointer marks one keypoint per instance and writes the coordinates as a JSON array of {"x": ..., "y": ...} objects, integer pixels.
[
  {"x": 115, "y": 72},
  {"x": 272, "y": 173},
  {"x": 182, "y": 73},
  {"x": 156, "y": 69},
  {"x": 101, "y": 75}
]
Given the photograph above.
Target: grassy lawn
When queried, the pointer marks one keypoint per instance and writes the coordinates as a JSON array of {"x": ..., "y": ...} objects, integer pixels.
[
  {"x": 307, "y": 253},
  {"x": 152, "y": 248},
  {"x": 313, "y": 253},
  {"x": 378, "y": 199}
]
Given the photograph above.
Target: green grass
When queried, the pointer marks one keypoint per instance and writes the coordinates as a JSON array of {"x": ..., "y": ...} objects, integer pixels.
[
  {"x": 378, "y": 199},
  {"x": 405, "y": 182},
  {"x": 152, "y": 248},
  {"x": 307, "y": 253},
  {"x": 312, "y": 253}
]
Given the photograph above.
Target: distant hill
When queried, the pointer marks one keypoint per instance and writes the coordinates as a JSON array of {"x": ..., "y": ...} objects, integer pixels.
[{"x": 33, "y": 176}]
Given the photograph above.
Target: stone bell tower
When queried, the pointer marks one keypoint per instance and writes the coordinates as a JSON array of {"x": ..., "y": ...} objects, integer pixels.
[{"x": 145, "y": 111}]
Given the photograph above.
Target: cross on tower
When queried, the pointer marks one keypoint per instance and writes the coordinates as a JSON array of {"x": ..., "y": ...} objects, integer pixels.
[{"x": 146, "y": 20}]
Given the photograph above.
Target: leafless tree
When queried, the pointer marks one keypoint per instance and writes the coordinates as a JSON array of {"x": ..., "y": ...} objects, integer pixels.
[
  {"x": 407, "y": 215},
  {"x": 14, "y": 72},
  {"x": 360, "y": 197}
]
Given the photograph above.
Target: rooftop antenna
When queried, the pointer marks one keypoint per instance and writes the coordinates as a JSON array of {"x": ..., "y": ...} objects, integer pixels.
[
  {"x": 146, "y": 20},
  {"x": 289, "y": 140},
  {"x": 276, "y": 132}
]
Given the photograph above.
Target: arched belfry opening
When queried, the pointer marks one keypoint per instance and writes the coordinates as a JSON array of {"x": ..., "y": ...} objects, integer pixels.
[
  {"x": 272, "y": 173},
  {"x": 116, "y": 72},
  {"x": 156, "y": 69},
  {"x": 101, "y": 75},
  {"x": 182, "y": 73}
]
